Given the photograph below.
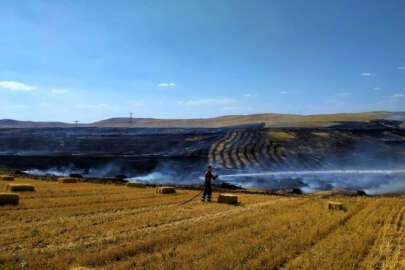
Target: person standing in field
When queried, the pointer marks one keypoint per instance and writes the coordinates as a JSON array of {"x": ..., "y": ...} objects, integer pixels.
[{"x": 209, "y": 177}]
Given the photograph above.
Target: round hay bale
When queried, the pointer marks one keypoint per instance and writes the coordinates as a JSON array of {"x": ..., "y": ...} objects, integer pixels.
[
  {"x": 7, "y": 178},
  {"x": 20, "y": 187},
  {"x": 228, "y": 198},
  {"x": 67, "y": 180},
  {"x": 165, "y": 190},
  {"x": 136, "y": 184},
  {"x": 9, "y": 198}
]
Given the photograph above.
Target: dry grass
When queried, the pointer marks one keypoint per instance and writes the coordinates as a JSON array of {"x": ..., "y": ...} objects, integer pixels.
[
  {"x": 115, "y": 227},
  {"x": 321, "y": 134},
  {"x": 282, "y": 135}
]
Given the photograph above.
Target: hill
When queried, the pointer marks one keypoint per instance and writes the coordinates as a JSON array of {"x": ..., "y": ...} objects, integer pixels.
[{"x": 269, "y": 119}]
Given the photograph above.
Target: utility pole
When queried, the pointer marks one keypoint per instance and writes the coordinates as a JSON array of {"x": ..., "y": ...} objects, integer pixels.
[
  {"x": 130, "y": 119},
  {"x": 76, "y": 123}
]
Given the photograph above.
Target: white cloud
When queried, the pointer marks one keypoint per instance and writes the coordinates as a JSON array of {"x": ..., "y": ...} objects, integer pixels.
[
  {"x": 376, "y": 88},
  {"x": 249, "y": 95},
  {"x": 365, "y": 74},
  {"x": 401, "y": 68},
  {"x": 166, "y": 84},
  {"x": 209, "y": 101},
  {"x": 16, "y": 86},
  {"x": 398, "y": 95},
  {"x": 59, "y": 91},
  {"x": 284, "y": 92}
]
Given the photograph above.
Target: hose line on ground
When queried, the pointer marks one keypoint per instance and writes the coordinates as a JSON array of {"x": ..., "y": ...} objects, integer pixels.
[{"x": 192, "y": 198}]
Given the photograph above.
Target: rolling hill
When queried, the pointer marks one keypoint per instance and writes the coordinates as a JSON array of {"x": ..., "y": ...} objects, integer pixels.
[{"x": 269, "y": 119}]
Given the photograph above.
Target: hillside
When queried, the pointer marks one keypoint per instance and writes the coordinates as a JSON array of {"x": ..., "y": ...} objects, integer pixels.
[
  {"x": 269, "y": 119},
  {"x": 114, "y": 227}
]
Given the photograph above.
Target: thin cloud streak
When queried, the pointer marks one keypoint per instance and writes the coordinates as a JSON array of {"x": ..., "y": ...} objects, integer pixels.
[
  {"x": 166, "y": 84},
  {"x": 16, "y": 86}
]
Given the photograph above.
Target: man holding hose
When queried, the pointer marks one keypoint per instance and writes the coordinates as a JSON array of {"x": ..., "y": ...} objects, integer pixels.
[{"x": 207, "y": 184}]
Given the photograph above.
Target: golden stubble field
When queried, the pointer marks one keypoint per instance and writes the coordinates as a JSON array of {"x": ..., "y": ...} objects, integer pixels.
[{"x": 63, "y": 226}]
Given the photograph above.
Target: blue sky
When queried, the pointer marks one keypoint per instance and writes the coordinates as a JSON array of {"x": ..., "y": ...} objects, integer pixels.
[{"x": 90, "y": 60}]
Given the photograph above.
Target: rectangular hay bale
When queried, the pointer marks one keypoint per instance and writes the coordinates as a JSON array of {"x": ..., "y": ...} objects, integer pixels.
[
  {"x": 136, "y": 184},
  {"x": 335, "y": 206},
  {"x": 7, "y": 178},
  {"x": 67, "y": 180},
  {"x": 228, "y": 198},
  {"x": 165, "y": 190},
  {"x": 9, "y": 198},
  {"x": 20, "y": 187}
]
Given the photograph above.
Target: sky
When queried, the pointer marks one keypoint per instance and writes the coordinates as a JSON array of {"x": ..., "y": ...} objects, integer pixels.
[{"x": 92, "y": 60}]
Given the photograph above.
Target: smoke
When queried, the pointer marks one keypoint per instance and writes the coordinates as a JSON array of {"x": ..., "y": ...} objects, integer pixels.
[
  {"x": 172, "y": 172},
  {"x": 107, "y": 170},
  {"x": 372, "y": 181}
]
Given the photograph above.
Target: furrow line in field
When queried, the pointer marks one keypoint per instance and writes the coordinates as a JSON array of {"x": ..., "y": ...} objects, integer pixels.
[
  {"x": 225, "y": 151},
  {"x": 236, "y": 148},
  {"x": 91, "y": 240},
  {"x": 359, "y": 210}
]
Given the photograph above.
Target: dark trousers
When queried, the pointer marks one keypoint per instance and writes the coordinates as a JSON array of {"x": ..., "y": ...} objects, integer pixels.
[{"x": 207, "y": 192}]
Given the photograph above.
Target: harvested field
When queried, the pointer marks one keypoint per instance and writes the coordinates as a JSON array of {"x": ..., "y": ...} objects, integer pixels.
[{"x": 101, "y": 226}]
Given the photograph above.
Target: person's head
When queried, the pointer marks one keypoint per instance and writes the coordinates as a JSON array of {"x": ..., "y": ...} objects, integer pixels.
[{"x": 209, "y": 168}]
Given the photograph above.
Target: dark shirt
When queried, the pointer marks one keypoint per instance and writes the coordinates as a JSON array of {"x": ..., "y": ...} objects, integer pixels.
[{"x": 209, "y": 177}]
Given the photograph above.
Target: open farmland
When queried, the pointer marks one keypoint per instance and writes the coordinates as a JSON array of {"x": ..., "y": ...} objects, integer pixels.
[{"x": 100, "y": 226}]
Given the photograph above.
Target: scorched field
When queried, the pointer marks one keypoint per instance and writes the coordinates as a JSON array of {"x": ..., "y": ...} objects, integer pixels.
[{"x": 100, "y": 226}]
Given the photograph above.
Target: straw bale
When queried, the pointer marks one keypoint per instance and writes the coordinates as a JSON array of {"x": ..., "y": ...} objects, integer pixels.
[
  {"x": 20, "y": 187},
  {"x": 67, "y": 180},
  {"x": 335, "y": 205},
  {"x": 136, "y": 184},
  {"x": 7, "y": 178},
  {"x": 228, "y": 198},
  {"x": 9, "y": 198},
  {"x": 165, "y": 190}
]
